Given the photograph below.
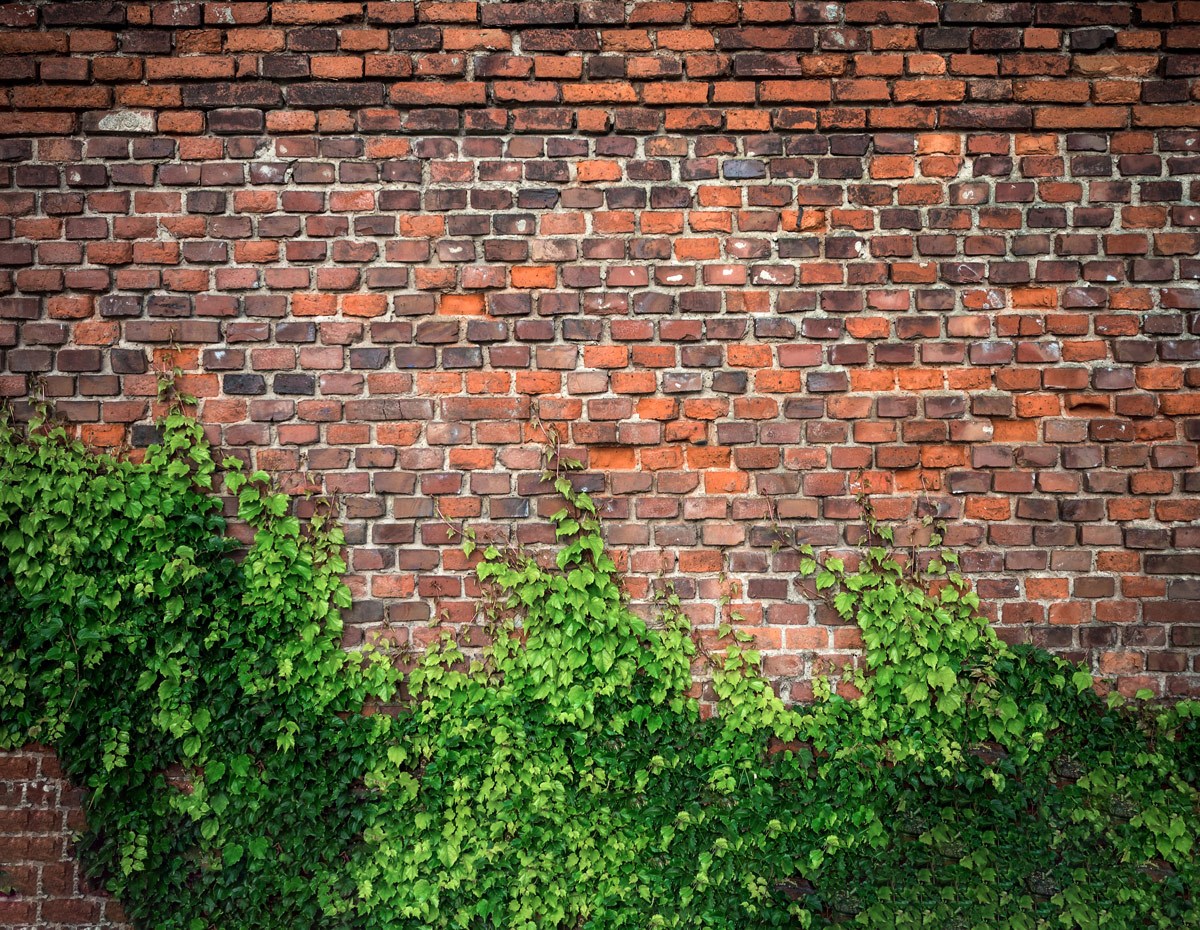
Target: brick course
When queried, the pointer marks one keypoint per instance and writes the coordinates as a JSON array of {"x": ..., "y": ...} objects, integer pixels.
[{"x": 741, "y": 256}]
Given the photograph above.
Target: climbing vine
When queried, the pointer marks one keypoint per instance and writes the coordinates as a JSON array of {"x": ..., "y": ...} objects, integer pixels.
[
  {"x": 202, "y": 700},
  {"x": 243, "y": 769}
]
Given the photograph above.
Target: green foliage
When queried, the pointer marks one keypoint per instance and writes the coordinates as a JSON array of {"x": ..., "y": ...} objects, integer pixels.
[
  {"x": 990, "y": 786},
  {"x": 564, "y": 776},
  {"x": 203, "y": 701}
]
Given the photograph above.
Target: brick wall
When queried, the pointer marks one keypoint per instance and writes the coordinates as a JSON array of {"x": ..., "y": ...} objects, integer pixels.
[
  {"x": 734, "y": 253},
  {"x": 41, "y": 884}
]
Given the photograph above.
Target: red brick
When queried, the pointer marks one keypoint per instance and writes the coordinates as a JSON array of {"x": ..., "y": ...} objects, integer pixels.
[
  {"x": 453, "y": 12},
  {"x": 310, "y": 13},
  {"x": 37, "y": 124},
  {"x": 467, "y": 93},
  {"x": 794, "y": 92},
  {"x": 1183, "y": 116},
  {"x": 893, "y": 11},
  {"x": 191, "y": 67},
  {"x": 674, "y": 94},
  {"x": 461, "y": 39}
]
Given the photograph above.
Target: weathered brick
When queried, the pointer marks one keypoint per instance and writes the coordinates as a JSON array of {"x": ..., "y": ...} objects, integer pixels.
[
  {"x": 442, "y": 94},
  {"x": 311, "y": 13},
  {"x": 766, "y": 37},
  {"x": 317, "y": 94},
  {"x": 529, "y": 13},
  {"x": 236, "y": 120},
  {"x": 84, "y": 13}
]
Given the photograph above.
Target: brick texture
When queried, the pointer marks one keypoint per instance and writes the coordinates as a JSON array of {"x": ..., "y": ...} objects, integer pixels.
[
  {"x": 734, "y": 254},
  {"x": 743, "y": 257},
  {"x": 44, "y": 885}
]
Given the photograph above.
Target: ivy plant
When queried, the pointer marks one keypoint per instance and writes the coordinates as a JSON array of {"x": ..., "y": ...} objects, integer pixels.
[
  {"x": 202, "y": 700},
  {"x": 242, "y": 769}
]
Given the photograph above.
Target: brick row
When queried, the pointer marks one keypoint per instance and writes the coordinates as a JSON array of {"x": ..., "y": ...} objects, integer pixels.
[{"x": 532, "y": 67}]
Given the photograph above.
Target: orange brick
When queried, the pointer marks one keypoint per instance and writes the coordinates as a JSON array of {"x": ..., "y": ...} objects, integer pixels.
[
  {"x": 726, "y": 482},
  {"x": 461, "y": 305},
  {"x": 529, "y": 276},
  {"x": 612, "y": 458},
  {"x": 595, "y": 356},
  {"x": 538, "y": 382},
  {"x": 589, "y": 172},
  {"x": 890, "y": 167}
]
